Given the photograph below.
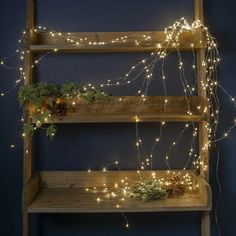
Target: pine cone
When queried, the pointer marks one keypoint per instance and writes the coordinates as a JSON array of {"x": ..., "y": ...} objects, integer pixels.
[
  {"x": 58, "y": 109},
  {"x": 175, "y": 187}
]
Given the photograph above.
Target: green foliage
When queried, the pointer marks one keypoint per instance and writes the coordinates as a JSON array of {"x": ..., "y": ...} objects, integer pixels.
[
  {"x": 93, "y": 94},
  {"x": 40, "y": 117},
  {"x": 157, "y": 189},
  {"x": 148, "y": 190},
  {"x": 69, "y": 89},
  {"x": 28, "y": 128},
  {"x": 42, "y": 98},
  {"x": 36, "y": 94},
  {"x": 51, "y": 130},
  {"x": 27, "y": 93},
  {"x": 50, "y": 101}
]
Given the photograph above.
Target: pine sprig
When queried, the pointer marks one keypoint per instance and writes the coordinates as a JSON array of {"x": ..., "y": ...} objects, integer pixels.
[
  {"x": 148, "y": 190},
  {"x": 154, "y": 189}
]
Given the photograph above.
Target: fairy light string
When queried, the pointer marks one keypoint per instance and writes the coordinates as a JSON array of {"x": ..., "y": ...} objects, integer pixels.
[
  {"x": 172, "y": 37},
  {"x": 144, "y": 72}
]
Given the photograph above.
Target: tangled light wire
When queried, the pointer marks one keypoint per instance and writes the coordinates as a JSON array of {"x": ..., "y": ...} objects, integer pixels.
[{"x": 144, "y": 71}]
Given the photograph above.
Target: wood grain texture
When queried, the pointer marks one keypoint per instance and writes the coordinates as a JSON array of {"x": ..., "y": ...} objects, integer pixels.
[
  {"x": 30, "y": 20},
  {"x": 203, "y": 136},
  {"x": 83, "y": 179},
  {"x": 201, "y": 74},
  {"x": 65, "y": 192},
  {"x": 130, "y": 107},
  {"x": 45, "y": 42},
  {"x": 31, "y": 189},
  {"x": 205, "y": 223},
  {"x": 27, "y": 148},
  {"x": 204, "y": 191},
  {"x": 25, "y": 222},
  {"x": 27, "y": 195},
  {"x": 199, "y": 10}
]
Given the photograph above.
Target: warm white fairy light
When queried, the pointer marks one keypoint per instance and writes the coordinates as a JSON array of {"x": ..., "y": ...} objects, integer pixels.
[{"x": 144, "y": 69}]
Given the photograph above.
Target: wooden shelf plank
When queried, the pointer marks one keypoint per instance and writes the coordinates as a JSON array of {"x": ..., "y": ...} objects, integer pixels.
[
  {"x": 65, "y": 192},
  {"x": 125, "y": 109},
  {"x": 45, "y": 42},
  {"x": 56, "y": 200}
]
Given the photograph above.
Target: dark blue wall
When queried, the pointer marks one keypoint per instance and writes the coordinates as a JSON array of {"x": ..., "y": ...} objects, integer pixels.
[{"x": 91, "y": 146}]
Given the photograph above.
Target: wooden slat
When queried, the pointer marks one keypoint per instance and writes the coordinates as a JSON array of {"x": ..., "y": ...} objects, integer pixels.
[
  {"x": 203, "y": 136},
  {"x": 78, "y": 179},
  {"x": 205, "y": 191},
  {"x": 31, "y": 189},
  {"x": 27, "y": 148},
  {"x": 83, "y": 179},
  {"x": 126, "y": 108},
  {"x": 30, "y": 20},
  {"x": 28, "y": 80},
  {"x": 59, "y": 200},
  {"x": 199, "y": 10},
  {"x": 25, "y": 222},
  {"x": 65, "y": 192},
  {"x": 201, "y": 73},
  {"x": 204, "y": 149},
  {"x": 74, "y": 118},
  {"x": 45, "y": 42},
  {"x": 206, "y": 223}
]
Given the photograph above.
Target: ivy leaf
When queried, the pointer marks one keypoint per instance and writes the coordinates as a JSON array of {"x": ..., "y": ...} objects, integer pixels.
[
  {"x": 26, "y": 94},
  {"x": 50, "y": 101},
  {"x": 46, "y": 113},
  {"x": 45, "y": 89},
  {"x": 28, "y": 128},
  {"x": 101, "y": 95},
  {"x": 41, "y": 117},
  {"x": 51, "y": 130},
  {"x": 69, "y": 89}
]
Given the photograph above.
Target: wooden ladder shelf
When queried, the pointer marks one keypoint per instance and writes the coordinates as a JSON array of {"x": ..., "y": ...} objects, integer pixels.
[{"x": 49, "y": 191}]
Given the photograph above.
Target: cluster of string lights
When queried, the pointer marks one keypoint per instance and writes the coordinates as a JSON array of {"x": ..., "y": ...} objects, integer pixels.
[{"x": 143, "y": 70}]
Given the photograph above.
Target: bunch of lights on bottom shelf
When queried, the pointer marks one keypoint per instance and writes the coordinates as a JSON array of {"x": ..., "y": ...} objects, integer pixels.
[
  {"x": 153, "y": 188},
  {"x": 143, "y": 73}
]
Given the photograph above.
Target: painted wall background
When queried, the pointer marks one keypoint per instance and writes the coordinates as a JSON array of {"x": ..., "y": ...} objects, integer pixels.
[{"x": 91, "y": 146}]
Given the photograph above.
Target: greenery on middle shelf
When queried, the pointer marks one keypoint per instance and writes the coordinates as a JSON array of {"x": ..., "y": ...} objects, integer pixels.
[{"x": 44, "y": 100}]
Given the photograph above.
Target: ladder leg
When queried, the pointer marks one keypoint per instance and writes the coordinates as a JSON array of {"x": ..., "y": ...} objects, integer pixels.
[
  {"x": 26, "y": 225},
  {"x": 205, "y": 224}
]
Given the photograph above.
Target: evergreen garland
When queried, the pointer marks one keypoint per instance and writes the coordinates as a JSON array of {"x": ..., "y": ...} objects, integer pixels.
[
  {"x": 154, "y": 189},
  {"x": 45, "y": 100}
]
